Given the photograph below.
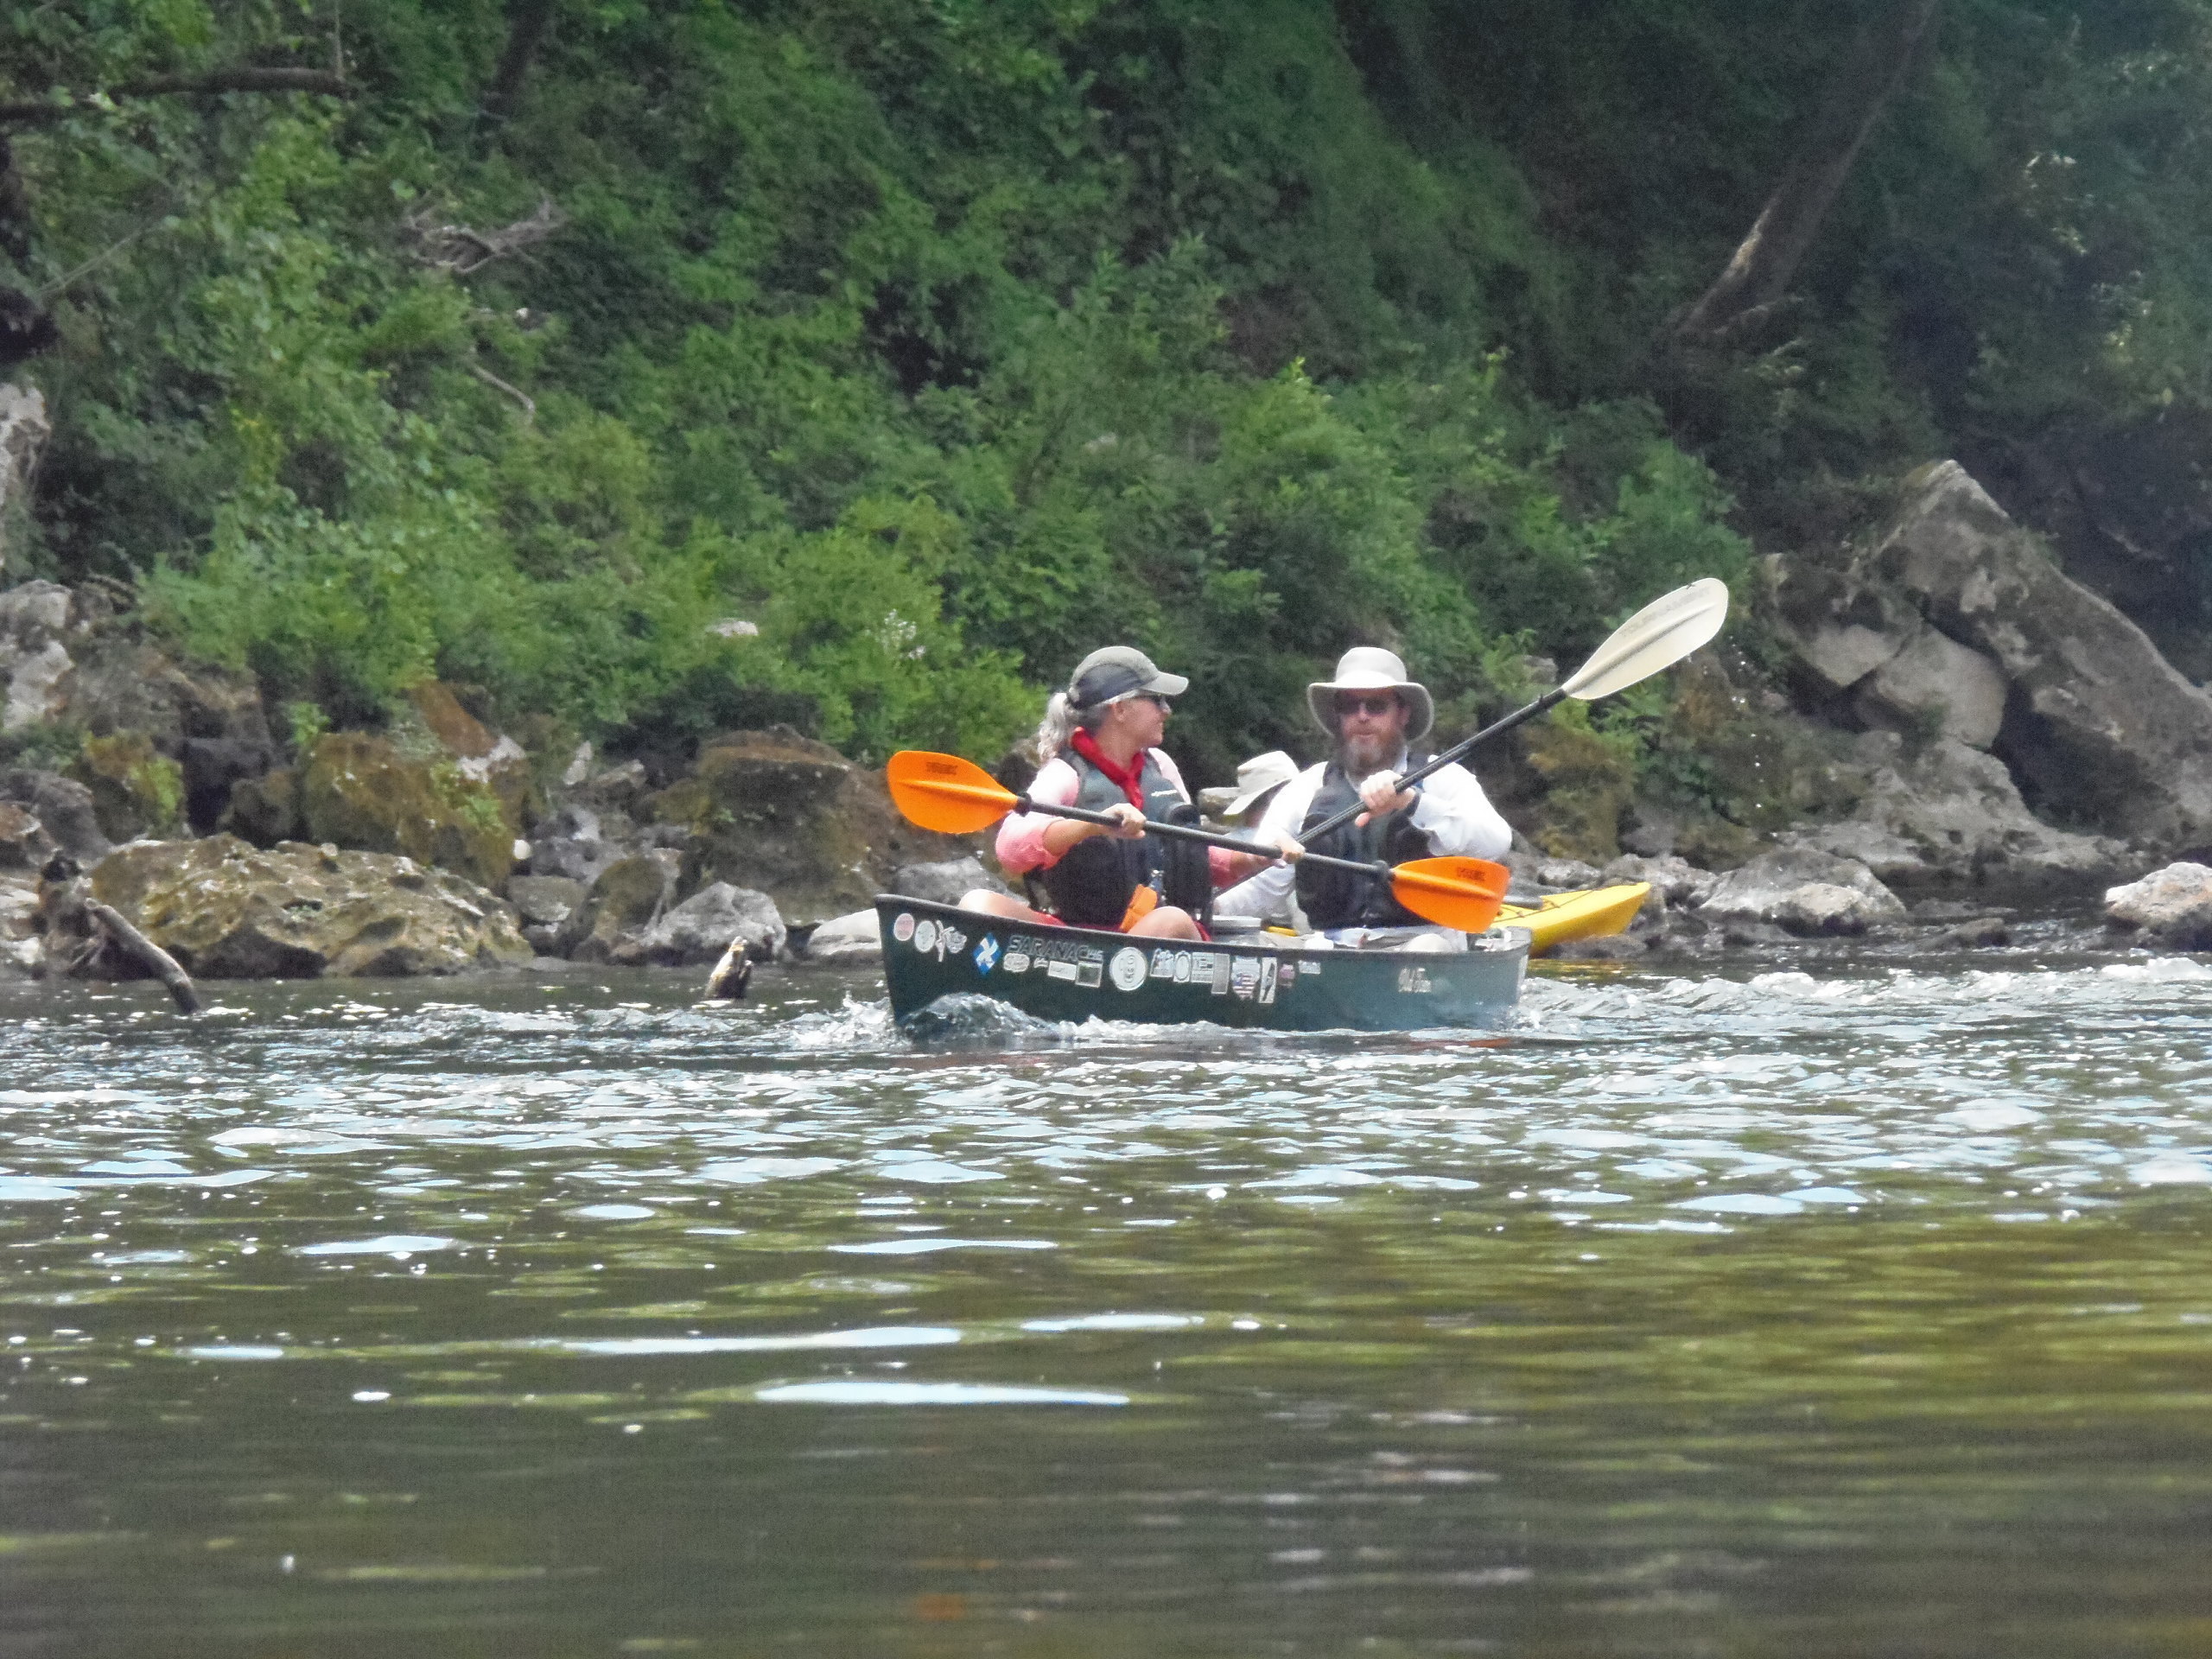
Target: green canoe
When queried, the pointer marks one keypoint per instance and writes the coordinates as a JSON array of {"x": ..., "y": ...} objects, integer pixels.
[{"x": 1074, "y": 974}]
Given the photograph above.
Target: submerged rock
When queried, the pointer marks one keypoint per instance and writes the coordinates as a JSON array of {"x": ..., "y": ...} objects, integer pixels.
[
  {"x": 2172, "y": 905},
  {"x": 224, "y": 909},
  {"x": 1803, "y": 892}
]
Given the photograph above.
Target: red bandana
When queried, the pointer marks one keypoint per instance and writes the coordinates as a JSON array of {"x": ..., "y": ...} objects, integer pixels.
[{"x": 1130, "y": 778}]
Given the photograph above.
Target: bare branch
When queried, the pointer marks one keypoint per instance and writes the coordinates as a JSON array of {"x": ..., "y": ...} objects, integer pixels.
[
  {"x": 41, "y": 111},
  {"x": 462, "y": 250},
  {"x": 1766, "y": 261},
  {"x": 529, "y": 404}
]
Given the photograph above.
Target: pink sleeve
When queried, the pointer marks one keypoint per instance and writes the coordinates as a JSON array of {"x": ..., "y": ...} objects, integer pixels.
[{"x": 1022, "y": 837}]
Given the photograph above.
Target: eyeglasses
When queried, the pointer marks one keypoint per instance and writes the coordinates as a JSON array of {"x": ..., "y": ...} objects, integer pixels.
[
  {"x": 1166, "y": 705},
  {"x": 1348, "y": 704}
]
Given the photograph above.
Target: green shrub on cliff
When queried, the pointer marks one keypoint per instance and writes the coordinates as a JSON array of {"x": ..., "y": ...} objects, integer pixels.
[{"x": 941, "y": 343}]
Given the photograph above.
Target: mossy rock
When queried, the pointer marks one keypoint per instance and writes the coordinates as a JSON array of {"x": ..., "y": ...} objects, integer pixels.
[
  {"x": 359, "y": 791},
  {"x": 626, "y": 896},
  {"x": 226, "y": 910},
  {"x": 1589, "y": 781},
  {"x": 266, "y": 810},
  {"x": 783, "y": 815},
  {"x": 136, "y": 790}
]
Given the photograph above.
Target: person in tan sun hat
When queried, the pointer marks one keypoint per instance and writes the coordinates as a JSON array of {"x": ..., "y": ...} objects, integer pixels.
[{"x": 1377, "y": 716}]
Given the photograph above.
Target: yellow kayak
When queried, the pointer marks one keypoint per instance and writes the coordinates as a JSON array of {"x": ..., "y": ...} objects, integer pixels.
[{"x": 1593, "y": 913}]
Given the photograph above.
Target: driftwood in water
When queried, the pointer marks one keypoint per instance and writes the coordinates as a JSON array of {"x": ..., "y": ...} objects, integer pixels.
[
  {"x": 87, "y": 939},
  {"x": 137, "y": 945}
]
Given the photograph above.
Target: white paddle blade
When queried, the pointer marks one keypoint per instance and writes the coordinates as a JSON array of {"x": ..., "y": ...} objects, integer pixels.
[{"x": 1658, "y": 636}]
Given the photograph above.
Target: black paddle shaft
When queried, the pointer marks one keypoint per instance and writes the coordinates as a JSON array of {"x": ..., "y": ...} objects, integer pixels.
[
  {"x": 1457, "y": 751},
  {"x": 1379, "y": 871}
]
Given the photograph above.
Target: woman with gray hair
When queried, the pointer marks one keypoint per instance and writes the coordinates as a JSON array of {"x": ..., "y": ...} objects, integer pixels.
[{"x": 1100, "y": 748}]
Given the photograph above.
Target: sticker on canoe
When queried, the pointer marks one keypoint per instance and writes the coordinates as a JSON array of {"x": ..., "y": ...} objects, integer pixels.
[
  {"x": 1287, "y": 976},
  {"x": 1243, "y": 976},
  {"x": 1183, "y": 961},
  {"x": 1414, "y": 980},
  {"x": 1017, "y": 961},
  {"x": 986, "y": 953},
  {"x": 925, "y": 936},
  {"x": 949, "y": 939},
  {"x": 1090, "y": 969},
  {"x": 1269, "y": 971},
  {"x": 1128, "y": 968},
  {"x": 903, "y": 929}
]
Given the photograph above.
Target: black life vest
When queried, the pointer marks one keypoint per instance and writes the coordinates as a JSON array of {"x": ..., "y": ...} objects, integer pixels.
[
  {"x": 1091, "y": 884},
  {"x": 1338, "y": 897}
]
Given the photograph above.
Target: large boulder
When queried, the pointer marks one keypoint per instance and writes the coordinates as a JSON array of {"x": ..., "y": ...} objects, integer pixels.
[
  {"x": 853, "y": 938},
  {"x": 480, "y": 754},
  {"x": 224, "y": 909},
  {"x": 791, "y": 818},
  {"x": 1803, "y": 891},
  {"x": 625, "y": 899},
  {"x": 136, "y": 790},
  {"x": 2098, "y": 728},
  {"x": 946, "y": 882},
  {"x": 121, "y": 683},
  {"x": 36, "y": 618},
  {"x": 2172, "y": 905},
  {"x": 1941, "y": 814},
  {"x": 23, "y": 431},
  {"x": 360, "y": 791},
  {"x": 62, "y": 806},
  {"x": 704, "y": 926}
]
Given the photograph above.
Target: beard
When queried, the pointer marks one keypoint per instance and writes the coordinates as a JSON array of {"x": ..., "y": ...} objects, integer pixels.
[{"x": 1363, "y": 755}]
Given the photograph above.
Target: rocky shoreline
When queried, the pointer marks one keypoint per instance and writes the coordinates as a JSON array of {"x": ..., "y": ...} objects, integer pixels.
[{"x": 1946, "y": 675}]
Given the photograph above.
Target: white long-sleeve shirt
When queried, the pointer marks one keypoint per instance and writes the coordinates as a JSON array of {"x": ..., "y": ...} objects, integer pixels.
[{"x": 1452, "y": 810}]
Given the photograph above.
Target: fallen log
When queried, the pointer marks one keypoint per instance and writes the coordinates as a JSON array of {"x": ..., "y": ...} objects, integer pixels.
[{"x": 129, "y": 940}]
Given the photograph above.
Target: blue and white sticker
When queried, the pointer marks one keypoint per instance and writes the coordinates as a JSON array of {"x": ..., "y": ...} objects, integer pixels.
[{"x": 987, "y": 954}]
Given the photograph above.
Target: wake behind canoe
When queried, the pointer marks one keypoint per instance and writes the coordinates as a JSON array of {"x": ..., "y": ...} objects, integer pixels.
[{"x": 1264, "y": 980}]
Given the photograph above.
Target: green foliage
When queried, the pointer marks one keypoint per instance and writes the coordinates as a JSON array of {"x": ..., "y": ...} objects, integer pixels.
[{"x": 941, "y": 343}]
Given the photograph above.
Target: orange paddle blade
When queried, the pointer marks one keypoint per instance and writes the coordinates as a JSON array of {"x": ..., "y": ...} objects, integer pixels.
[
  {"x": 1457, "y": 893},
  {"x": 944, "y": 793}
]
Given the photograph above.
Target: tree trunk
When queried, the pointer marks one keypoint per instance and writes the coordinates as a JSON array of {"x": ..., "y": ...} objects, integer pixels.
[
  {"x": 1766, "y": 261},
  {"x": 526, "y": 24}
]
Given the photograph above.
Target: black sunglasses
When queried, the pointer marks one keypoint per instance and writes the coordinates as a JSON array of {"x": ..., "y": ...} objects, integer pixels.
[{"x": 1348, "y": 704}]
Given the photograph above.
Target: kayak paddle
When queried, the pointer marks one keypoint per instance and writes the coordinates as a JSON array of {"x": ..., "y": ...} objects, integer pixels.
[
  {"x": 1658, "y": 636},
  {"x": 958, "y": 797}
]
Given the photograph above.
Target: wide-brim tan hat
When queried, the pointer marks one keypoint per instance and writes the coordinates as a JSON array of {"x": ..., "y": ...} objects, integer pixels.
[
  {"x": 1256, "y": 777},
  {"x": 1370, "y": 668}
]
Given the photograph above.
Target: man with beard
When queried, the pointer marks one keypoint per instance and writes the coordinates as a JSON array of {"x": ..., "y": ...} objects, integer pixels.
[{"x": 1376, "y": 715}]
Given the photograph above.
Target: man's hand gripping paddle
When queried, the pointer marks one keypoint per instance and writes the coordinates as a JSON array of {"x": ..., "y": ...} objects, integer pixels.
[
  {"x": 1660, "y": 635},
  {"x": 958, "y": 797}
]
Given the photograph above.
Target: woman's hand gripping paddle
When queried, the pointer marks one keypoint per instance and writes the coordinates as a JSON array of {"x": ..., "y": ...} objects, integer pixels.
[{"x": 958, "y": 797}]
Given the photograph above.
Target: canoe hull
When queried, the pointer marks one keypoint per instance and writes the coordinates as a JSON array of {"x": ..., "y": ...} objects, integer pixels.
[{"x": 1075, "y": 974}]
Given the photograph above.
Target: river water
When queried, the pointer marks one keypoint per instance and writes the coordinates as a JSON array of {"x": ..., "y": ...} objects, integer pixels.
[{"x": 1841, "y": 1309}]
